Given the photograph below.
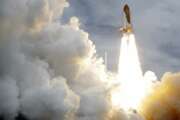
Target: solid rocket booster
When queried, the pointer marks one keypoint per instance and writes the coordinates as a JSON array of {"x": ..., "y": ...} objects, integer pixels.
[{"x": 127, "y": 28}]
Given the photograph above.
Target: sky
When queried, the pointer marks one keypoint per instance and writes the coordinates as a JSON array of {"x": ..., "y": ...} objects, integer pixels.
[{"x": 155, "y": 25}]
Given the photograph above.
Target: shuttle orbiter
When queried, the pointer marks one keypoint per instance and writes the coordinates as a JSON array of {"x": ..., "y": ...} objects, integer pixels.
[{"x": 127, "y": 28}]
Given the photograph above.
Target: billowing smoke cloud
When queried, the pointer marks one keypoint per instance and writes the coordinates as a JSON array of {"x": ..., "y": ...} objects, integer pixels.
[
  {"x": 163, "y": 103},
  {"x": 48, "y": 70}
]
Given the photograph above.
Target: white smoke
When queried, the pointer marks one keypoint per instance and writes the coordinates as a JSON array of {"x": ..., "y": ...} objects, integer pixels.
[{"x": 48, "y": 70}]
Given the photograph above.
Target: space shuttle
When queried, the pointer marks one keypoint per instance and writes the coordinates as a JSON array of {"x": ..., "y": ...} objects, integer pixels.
[{"x": 127, "y": 27}]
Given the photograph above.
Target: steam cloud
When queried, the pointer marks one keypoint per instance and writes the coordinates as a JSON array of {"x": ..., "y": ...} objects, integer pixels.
[
  {"x": 50, "y": 71},
  {"x": 163, "y": 103}
]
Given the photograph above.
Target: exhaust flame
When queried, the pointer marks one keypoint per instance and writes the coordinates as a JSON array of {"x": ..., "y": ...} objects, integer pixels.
[{"x": 131, "y": 85}]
